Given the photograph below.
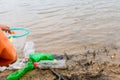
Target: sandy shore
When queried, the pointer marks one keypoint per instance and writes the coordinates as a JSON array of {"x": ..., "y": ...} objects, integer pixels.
[{"x": 91, "y": 63}]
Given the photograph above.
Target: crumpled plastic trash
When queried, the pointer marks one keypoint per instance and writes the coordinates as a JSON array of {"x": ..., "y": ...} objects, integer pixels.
[
  {"x": 28, "y": 49},
  {"x": 19, "y": 64},
  {"x": 2, "y": 68}
]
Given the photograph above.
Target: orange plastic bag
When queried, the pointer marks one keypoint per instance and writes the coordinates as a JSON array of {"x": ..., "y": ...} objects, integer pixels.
[{"x": 7, "y": 51}]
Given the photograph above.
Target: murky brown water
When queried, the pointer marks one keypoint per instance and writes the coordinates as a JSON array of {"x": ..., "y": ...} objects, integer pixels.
[{"x": 58, "y": 25}]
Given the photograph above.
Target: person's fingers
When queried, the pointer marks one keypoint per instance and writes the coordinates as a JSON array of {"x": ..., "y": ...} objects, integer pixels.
[
  {"x": 5, "y": 28},
  {"x": 8, "y": 30}
]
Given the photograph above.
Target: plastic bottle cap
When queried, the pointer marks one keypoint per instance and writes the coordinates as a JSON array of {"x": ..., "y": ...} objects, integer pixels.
[{"x": 35, "y": 64}]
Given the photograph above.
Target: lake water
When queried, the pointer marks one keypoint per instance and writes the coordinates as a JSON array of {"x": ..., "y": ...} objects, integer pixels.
[{"x": 59, "y": 25}]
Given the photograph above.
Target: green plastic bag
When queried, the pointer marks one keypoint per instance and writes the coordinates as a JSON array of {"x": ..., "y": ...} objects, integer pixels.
[
  {"x": 17, "y": 74},
  {"x": 36, "y": 57}
]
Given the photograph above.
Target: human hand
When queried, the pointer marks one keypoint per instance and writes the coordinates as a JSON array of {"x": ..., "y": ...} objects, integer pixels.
[{"x": 5, "y": 28}]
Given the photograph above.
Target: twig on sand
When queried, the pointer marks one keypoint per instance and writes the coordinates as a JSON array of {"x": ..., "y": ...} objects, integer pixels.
[
  {"x": 91, "y": 75},
  {"x": 58, "y": 75},
  {"x": 66, "y": 56},
  {"x": 94, "y": 55},
  {"x": 84, "y": 68},
  {"x": 115, "y": 72}
]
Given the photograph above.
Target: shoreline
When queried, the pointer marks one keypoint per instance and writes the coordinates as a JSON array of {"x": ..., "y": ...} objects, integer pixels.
[{"x": 92, "y": 63}]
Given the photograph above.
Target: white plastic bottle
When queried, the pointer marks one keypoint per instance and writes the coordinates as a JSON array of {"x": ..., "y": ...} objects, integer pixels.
[
  {"x": 45, "y": 64},
  {"x": 28, "y": 49}
]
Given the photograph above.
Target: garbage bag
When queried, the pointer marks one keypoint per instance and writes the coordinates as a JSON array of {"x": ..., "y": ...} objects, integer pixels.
[
  {"x": 36, "y": 57},
  {"x": 19, "y": 73}
]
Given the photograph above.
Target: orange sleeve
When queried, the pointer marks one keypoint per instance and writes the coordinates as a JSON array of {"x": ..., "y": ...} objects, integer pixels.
[
  {"x": 1, "y": 41},
  {"x": 7, "y": 51}
]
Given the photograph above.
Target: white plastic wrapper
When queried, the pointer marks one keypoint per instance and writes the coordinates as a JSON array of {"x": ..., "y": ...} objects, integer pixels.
[
  {"x": 2, "y": 68},
  {"x": 19, "y": 64},
  {"x": 28, "y": 49}
]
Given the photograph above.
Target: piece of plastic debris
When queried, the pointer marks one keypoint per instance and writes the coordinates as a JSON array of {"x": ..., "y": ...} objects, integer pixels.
[
  {"x": 19, "y": 73},
  {"x": 45, "y": 64},
  {"x": 28, "y": 49},
  {"x": 36, "y": 57},
  {"x": 2, "y": 68},
  {"x": 29, "y": 65},
  {"x": 19, "y": 64}
]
